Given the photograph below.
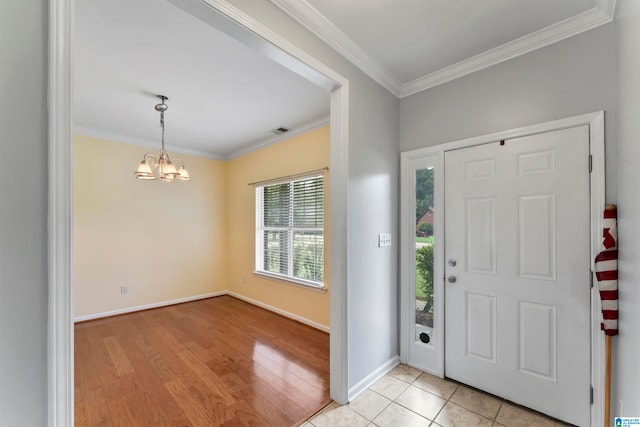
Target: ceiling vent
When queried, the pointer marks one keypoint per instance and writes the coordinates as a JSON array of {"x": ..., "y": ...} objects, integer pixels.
[{"x": 280, "y": 131}]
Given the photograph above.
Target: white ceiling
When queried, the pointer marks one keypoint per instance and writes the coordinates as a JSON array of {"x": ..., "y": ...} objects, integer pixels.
[
  {"x": 224, "y": 97},
  {"x": 412, "y": 38},
  {"x": 411, "y": 45}
]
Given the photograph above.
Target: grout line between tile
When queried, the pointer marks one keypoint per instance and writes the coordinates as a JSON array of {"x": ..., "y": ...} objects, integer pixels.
[
  {"x": 495, "y": 419},
  {"x": 385, "y": 406},
  {"x": 448, "y": 400}
]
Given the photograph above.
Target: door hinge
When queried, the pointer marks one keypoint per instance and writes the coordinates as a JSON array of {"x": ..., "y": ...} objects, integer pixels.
[
  {"x": 590, "y": 163},
  {"x": 590, "y": 279},
  {"x": 591, "y": 395}
]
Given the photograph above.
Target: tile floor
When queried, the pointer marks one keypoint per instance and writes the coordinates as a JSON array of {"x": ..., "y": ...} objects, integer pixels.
[{"x": 408, "y": 397}]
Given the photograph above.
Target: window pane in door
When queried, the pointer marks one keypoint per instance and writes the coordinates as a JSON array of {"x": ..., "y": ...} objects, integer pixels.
[{"x": 424, "y": 255}]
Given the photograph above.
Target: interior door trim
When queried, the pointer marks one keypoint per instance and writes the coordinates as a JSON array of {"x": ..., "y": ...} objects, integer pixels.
[{"x": 595, "y": 121}]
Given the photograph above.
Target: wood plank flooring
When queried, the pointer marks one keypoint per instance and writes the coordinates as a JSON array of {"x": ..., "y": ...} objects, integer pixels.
[{"x": 214, "y": 362}]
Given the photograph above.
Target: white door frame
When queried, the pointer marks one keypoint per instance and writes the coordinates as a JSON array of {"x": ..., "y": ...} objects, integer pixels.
[
  {"x": 407, "y": 253},
  {"x": 60, "y": 345},
  {"x": 407, "y": 238}
]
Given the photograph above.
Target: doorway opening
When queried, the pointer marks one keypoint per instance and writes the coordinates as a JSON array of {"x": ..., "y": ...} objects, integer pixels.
[{"x": 261, "y": 38}]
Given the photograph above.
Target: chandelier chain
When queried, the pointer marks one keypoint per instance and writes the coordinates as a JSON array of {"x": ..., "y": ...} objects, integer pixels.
[{"x": 162, "y": 126}]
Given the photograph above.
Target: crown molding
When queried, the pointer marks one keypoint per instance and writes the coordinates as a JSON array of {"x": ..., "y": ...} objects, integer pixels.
[
  {"x": 308, "y": 127},
  {"x": 256, "y": 145},
  {"x": 318, "y": 24},
  {"x": 602, "y": 14},
  {"x": 608, "y": 7},
  {"x": 140, "y": 142}
]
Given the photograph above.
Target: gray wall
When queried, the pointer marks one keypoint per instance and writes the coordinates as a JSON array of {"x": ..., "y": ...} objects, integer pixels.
[
  {"x": 569, "y": 78},
  {"x": 626, "y": 349},
  {"x": 23, "y": 211},
  {"x": 373, "y": 209},
  {"x": 373, "y": 200}
]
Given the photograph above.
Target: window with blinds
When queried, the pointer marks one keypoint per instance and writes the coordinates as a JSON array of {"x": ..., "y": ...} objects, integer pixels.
[{"x": 290, "y": 230}]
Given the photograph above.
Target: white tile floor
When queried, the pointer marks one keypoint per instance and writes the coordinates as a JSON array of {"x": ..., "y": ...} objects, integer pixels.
[{"x": 408, "y": 397}]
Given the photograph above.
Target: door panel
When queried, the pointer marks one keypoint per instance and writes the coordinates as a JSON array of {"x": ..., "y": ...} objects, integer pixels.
[
  {"x": 537, "y": 236},
  {"x": 481, "y": 235},
  {"x": 518, "y": 314},
  {"x": 481, "y": 326},
  {"x": 537, "y": 339}
]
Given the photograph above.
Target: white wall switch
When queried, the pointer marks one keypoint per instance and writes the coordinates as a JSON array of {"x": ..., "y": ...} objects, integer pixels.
[{"x": 384, "y": 240}]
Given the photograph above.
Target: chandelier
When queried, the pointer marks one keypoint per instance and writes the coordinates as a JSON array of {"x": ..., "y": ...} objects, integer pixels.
[{"x": 163, "y": 166}]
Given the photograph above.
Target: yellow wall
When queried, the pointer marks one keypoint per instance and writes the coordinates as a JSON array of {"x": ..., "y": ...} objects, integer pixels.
[
  {"x": 165, "y": 241},
  {"x": 299, "y": 154},
  {"x": 170, "y": 241}
]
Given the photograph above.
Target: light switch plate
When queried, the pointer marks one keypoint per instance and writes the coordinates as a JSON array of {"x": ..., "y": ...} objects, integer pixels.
[{"x": 384, "y": 240}]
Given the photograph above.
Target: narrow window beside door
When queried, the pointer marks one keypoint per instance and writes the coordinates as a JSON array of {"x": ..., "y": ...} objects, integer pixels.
[
  {"x": 424, "y": 245},
  {"x": 290, "y": 230}
]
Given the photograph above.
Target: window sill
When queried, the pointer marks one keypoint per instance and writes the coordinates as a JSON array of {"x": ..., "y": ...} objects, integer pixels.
[{"x": 310, "y": 286}]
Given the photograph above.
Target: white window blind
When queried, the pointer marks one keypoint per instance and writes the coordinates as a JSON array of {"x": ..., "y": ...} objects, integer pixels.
[{"x": 290, "y": 230}]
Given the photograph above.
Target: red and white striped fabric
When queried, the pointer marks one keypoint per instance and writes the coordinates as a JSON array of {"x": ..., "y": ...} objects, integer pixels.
[{"x": 606, "y": 266}]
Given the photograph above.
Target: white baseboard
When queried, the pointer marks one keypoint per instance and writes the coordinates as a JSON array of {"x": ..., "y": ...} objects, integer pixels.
[
  {"x": 147, "y": 306},
  {"x": 199, "y": 297},
  {"x": 281, "y": 312},
  {"x": 374, "y": 376}
]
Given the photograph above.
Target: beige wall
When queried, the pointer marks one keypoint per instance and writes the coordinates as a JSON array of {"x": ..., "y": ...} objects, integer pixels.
[
  {"x": 164, "y": 241},
  {"x": 299, "y": 154},
  {"x": 171, "y": 241}
]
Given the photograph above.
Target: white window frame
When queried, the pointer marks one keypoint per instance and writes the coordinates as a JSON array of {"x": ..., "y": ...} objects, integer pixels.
[{"x": 291, "y": 230}]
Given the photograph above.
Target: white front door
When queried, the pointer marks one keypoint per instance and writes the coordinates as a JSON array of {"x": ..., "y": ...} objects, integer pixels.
[{"x": 517, "y": 253}]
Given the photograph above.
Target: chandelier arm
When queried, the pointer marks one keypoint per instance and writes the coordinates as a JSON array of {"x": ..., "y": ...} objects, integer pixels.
[{"x": 151, "y": 159}]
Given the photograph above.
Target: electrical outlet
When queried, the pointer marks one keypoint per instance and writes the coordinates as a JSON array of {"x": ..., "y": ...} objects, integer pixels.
[
  {"x": 124, "y": 289},
  {"x": 244, "y": 280},
  {"x": 384, "y": 240}
]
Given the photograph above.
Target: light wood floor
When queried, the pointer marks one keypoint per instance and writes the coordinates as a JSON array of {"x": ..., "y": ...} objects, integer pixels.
[{"x": 212, "y": 362}]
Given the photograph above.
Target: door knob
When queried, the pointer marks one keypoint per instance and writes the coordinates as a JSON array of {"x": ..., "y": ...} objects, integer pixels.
[
  {"x": 451, "y": 279},
  {"x": 452, "y": 262}
]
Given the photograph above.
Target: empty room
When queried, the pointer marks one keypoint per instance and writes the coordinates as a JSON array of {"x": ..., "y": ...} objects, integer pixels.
[{"x": 318, "y": 212}]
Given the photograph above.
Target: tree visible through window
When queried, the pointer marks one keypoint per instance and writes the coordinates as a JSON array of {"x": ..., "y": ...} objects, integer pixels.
[
  {"x": 424, "y": 254},
  {"x": 290, "y": 230}
]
